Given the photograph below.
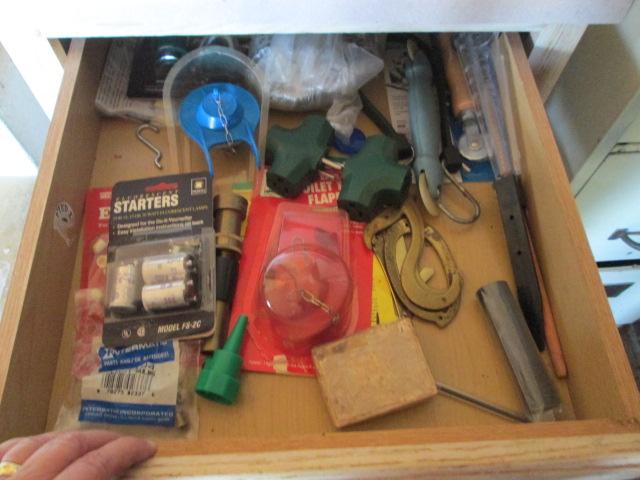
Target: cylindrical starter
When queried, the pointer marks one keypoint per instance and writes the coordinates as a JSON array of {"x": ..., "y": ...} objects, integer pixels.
[
  {"x": 168, "y": 268},
  {"x": 126, "y": 287},
  {"x": 166, "y": 296}
]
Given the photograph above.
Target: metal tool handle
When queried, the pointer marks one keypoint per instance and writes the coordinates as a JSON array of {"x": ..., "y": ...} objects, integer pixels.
[
  {"x": 538, "y": 391},
  {"x": 482, "y": 404},
  {"x": 425, "y": 122},
  {"x": 521, "y": 255}
]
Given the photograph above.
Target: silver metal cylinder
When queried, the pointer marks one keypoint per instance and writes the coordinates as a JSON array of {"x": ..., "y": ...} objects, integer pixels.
[
  {"x": 167, "y": 268},
  {"x": 126, "y": 287},
  {"x": 166, "y": 296}
]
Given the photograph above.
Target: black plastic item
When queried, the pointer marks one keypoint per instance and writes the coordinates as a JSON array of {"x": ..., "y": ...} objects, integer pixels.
[
  {"x": 451, "y": 158},
  {"x": 515, "y": 229},
  {"x": 152, "y": 60},
  {"x": 226, "y": 275}
]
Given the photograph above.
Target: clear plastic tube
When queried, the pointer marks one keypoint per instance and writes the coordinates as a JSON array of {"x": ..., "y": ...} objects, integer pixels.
[{"x": 476, "y": 55}]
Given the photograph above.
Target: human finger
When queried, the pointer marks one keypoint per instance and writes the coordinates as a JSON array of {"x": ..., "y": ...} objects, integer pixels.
[
  {"x": 57, "y": 454},
  {"x": 7, "y": 444},
  {"x": 20, "y": 451},
  {"x": 110, "y": 460}
]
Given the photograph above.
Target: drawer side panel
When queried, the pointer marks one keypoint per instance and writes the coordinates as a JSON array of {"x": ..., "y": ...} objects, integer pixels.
[
  {"x": 33, "y": 320},
  {"x": 600, "y": 378}
]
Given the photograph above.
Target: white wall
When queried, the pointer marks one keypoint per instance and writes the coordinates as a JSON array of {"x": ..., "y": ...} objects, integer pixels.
[{"x": 597, "y": 96}]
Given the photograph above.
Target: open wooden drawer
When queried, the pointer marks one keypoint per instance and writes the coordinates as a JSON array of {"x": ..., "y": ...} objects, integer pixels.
[{"x": 279, "y": 426}]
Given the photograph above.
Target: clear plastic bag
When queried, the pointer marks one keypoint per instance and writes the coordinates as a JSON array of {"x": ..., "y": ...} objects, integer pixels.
[
  {"x": 145, "y": 390},
  {"x": 343, "y": 114},
  {"x": 308, "y": 72}
]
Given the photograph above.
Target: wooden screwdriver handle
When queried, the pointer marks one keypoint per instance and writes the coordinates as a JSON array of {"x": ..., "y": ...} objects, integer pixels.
[
  {"x": 460, "y": 96},
  {"x": 551, "y": 334}
]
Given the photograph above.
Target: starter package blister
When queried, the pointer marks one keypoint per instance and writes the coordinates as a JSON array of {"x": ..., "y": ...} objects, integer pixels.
[{"x": 161, "y": 258}]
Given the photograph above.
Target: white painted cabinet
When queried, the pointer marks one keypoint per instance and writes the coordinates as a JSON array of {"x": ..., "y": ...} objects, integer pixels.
[
  {"x": 610, "y": 207},
  {"x": 595, "y": 114},
  {"x": 622, "y": 285}
]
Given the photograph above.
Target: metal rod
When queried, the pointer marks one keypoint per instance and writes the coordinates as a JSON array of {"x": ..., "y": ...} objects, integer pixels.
[{"x": 489, "y": 407}]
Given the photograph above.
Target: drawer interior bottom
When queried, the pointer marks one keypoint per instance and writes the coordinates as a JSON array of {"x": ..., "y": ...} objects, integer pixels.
[{"x": 466, "y": 354}]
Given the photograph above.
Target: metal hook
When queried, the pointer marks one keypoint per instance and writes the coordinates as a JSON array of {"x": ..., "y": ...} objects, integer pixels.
[
  {"x": 466, "y": 194},
  {"x": 151, "y": 146}
]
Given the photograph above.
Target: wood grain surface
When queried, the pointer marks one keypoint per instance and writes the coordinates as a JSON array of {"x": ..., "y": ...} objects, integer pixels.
[
  {"x": 280, "y": 426},
  {"x": 605, "y": 456},
  {"x": 32, "y": 322},
  {"x": 374, "y": 372},
  {"x": 593, "y": 350}
]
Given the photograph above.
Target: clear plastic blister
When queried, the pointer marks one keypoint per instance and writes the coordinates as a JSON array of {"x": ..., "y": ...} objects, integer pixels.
[
  {"x": 168, "y": 282},
  {"x": 133, "y": 390},
  {"x": 306, "y": 287},
  {"x": 203, "y": 66},
  {"x": 145, "y": 389}
]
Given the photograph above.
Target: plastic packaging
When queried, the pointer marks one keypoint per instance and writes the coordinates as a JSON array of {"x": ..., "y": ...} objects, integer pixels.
[
  {"x": 306, "y": 286},
  {"x": 317, "y": 222},
  {"x": 308, "y": 72},
  {"x": 165, "y": 370},
  {"x": 204, "y": 66},
  {"x": 161, "y": 260},
  {"x": 134, "y": 389},
  {"x": 164, "y": 279},
  {"x": 342, "y": 116},
  {"x": 482, "y": 64}
]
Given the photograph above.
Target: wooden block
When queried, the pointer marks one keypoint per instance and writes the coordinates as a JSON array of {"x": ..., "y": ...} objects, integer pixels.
[{"x": 374, "y": 372}]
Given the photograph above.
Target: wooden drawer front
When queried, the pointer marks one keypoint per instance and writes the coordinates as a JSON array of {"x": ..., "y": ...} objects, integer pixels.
[{"x": 599, "y": 432}]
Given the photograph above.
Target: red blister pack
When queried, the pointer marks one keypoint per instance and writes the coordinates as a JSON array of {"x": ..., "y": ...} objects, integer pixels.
[
  {"x": 305, "y": 278},
  {"x": 306, "y": 286}
]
